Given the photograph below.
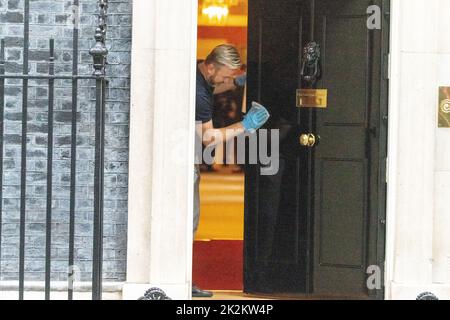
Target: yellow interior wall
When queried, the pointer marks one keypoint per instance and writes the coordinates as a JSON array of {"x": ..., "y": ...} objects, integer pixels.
[{"x": 204, "y": 46}]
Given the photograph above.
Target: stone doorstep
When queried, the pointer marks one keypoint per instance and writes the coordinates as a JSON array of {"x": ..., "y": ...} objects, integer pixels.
[{"x": 38, "y": 286}]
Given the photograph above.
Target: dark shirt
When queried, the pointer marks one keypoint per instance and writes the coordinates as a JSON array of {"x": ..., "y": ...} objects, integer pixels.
[{"x": 204, "y": 105}]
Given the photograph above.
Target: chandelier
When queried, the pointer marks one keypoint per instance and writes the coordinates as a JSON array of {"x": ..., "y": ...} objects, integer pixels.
[{"x": 218, "y": 10}]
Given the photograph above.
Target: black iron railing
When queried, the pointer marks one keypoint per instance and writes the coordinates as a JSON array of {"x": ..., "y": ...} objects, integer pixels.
[{"x": 99, "y": 54}]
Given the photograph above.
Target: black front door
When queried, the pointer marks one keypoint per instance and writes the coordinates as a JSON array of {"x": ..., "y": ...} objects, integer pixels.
[{"x": 317, "y": 225}]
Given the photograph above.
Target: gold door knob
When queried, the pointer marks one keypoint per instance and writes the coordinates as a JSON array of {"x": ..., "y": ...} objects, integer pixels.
[{"x": 308, "y": 140}]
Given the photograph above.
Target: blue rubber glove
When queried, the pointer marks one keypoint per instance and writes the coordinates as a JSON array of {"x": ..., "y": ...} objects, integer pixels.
[
  {"x": 255, "y": 118},
  {"x": 240, "y": 80}
]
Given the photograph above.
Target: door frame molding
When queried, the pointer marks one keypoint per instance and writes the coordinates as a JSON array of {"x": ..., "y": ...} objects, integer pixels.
[
  {"x": 416, "y": 251},
  {"x": 393, "y": 141},
  {"x": 161, "y": 154}
]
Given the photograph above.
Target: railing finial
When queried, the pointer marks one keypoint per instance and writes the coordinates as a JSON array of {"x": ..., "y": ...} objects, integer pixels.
[{"x": 99, "y": 51}]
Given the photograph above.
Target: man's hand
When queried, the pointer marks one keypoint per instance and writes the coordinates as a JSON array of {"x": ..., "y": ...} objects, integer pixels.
[{"x": 255, "y": 118}]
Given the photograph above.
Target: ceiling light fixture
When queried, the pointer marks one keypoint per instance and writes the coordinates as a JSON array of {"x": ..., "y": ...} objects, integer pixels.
[{"x": 217, "y": 10}]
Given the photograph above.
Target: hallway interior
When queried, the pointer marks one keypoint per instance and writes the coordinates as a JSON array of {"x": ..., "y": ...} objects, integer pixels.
[{"x": 218, "y": 249}]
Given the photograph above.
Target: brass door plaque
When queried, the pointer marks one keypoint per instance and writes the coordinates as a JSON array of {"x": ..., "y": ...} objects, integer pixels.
[
  {"x": 444, "y": 107},
  {"x": 312, "y": 98}
]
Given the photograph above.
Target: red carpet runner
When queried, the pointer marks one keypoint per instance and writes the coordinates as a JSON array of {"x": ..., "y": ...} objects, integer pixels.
[{"x": 218, "y": 265}]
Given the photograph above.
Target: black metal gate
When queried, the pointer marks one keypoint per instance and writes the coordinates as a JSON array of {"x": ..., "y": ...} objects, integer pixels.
[{"x": 99, "y": 53}]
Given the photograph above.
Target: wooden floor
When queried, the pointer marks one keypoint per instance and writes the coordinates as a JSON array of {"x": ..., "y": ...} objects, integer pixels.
[
  {"x": 236, "y": 295},
  {"x": 233, "y": 295}
]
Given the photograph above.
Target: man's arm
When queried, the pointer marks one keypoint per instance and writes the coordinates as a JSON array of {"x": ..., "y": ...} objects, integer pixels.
[
  {"x": 212, "y": 136},
  {"x": 253, "y": 120}
]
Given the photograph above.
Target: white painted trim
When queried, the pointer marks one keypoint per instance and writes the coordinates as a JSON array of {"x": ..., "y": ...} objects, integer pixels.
[
  {"x": 140, "y": 150},
  {"x": 162, "y": 136},
  {"x": 193, "y": 94},
  {"x": 58, "y": 295},
  {"x": 133, "y": 291},
  {"x": 59, "y": 286},
  {"x": 394, "y": 91},
  {"x": 35, "y": 290},
  {"x": 410, "y": 292}
]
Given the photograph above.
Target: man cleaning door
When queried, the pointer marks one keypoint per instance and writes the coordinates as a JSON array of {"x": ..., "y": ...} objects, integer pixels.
[{"x": 217, "y": 74}]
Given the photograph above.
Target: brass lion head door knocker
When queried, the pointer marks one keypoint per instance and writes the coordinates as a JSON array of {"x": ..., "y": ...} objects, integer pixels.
[
  {"x": 309, "y": 96},
  {"x": 311, "y": 63}
]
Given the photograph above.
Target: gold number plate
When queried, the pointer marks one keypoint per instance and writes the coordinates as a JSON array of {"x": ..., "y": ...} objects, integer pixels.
[
  {"x": 444, "y": 107},
  {"x": 312, "y": 98}
]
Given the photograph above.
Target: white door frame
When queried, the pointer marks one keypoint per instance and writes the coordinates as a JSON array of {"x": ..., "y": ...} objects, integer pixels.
[
  {"x": 393, "y": 117},
  {"x": 417, "y": 228},
  {"x": 161, "y": 172}
]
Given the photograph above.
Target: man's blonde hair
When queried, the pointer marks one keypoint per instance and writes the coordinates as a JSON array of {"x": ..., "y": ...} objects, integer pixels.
[{"x": 225, "y": 55}]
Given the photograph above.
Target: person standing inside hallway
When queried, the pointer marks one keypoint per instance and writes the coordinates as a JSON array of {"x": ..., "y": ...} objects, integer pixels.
[{"x": 217, "y": 74}]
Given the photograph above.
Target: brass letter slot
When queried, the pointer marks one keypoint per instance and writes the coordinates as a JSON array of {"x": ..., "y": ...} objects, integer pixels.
[
  {"x": 312, "y": 98},
  {"x": 444, "y": 107}
]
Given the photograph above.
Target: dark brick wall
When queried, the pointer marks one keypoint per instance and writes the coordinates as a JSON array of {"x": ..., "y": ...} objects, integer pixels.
[{"x": 53, "y": 18}]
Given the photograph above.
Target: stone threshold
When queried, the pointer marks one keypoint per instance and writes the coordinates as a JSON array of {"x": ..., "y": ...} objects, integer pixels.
[{"x": 59, "y": 286}]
